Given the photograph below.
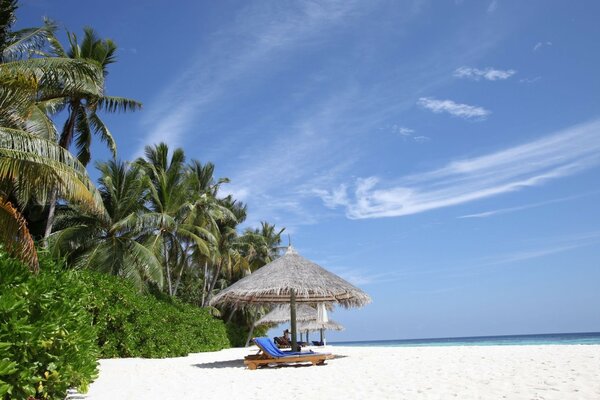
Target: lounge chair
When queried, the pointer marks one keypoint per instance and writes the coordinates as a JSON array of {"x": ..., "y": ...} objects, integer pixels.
[{"x": 270, "y": 354}]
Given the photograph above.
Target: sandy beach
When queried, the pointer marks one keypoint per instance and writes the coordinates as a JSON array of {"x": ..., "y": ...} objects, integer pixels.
[{"x": 470, "y": 372}]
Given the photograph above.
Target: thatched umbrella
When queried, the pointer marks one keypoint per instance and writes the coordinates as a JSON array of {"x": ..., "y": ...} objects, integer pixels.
[
  {"x": 281, "y": 313},
  {"x": 289, "y": 279},
  {"x": 320, "y": 326}
]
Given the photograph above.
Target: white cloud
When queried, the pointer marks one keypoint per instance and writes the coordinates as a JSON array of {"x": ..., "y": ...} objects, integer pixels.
[
  {"x": 507, "y": 210},
  {"x": 421, "y": 139},
  {"x": 402, "y": 131},
  {"x": 336, "y": 197},
  {"x": 539, "y": 45},
  {"x": 558, "y": 155},
  {"x": 493, "y": 6},
  {"x": 490, "y": 74},
  {"x": 450, "y": 107}
]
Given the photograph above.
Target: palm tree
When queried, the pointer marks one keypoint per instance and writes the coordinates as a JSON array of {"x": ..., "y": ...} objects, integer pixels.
[
  {"x": 83, "y": 106},
  {"x": 84, "y": 103},
  {"x": 33, "y": 166},
  {"x": 111, "y": 244},
  {"x": 183, "y": 225}
]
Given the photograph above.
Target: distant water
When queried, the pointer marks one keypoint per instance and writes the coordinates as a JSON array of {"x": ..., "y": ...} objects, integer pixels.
[{"x": 508, "y": 340}]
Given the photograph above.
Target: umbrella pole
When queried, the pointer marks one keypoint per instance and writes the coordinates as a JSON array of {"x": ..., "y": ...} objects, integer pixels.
[
  {"x": 293, "y": 319},
  {"x": 321, "y": 330}
]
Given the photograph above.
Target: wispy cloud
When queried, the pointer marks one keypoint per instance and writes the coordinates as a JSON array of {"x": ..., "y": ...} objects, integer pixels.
[
  {"x": 530, "y": 80},
  {"x": 493, "y": 6},
  {"x": 453, "y": 108},
  {"x": 320, "y": 126},
  {"x": 259, "y": 34},
  {"x": 544, "y": 247},
  {"x": 422, "y": 139},
  {"x": 553, "y": 245},
  {"x": 558, "y": 155},
  {"x": 539, "y": 45},
  {"x": 490, "y": 74},
  {"x": 362, "y": 276},
  {"x": 507, "y": 210},
  {"x": 402, "y": 130}
]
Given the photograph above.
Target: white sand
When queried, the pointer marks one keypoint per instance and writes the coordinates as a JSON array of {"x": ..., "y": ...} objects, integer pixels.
[{"x": 474, "y": 372}]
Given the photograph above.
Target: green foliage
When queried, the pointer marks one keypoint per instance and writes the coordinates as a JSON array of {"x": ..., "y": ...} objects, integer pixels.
[
  {"x": 238, "y": 334},
  {"x": 47, "y": 341},
  {"x": 133, "y": 325},
  {"x": 54, "y": 325}
]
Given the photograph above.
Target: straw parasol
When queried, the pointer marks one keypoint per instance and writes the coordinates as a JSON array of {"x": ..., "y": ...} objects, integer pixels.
[
  {"x": 289, "y": 279},
  {"x": 320, "y": 326},
  {"x": 317, "y": 326},
  {"x": 281, "y": 313}
]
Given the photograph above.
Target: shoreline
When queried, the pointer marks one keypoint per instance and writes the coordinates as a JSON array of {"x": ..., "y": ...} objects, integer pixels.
[{"x": 545, "y": 371}]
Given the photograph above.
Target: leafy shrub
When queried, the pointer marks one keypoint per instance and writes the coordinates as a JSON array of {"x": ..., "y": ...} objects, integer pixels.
[
  {"x": 54, "y": 326},
  {"x": 47, "y": 341},
  {"x": 133, "y": 325},
  {"x": 239, "y": 334}
]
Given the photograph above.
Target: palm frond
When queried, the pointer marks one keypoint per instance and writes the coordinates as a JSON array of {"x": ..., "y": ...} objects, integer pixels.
[
  {"x": 145, "y": 261},
  {"x": 102, "y": 130},
  {"x": 118, "y": 104},
  {"x": 15, "y": 235},
  {"x": 38, "y": 165},
  {"x": 84, "y": 136},
  {"x": 54, "y": 70},
  {"x": 26, "y": 41},
  {"x": 40, "y": 124}
]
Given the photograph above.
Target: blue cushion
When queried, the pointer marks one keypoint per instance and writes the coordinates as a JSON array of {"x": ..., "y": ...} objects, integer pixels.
[{"x": 269, "y": 347}]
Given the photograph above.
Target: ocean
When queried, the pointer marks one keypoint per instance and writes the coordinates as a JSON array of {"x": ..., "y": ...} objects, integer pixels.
[{"x": 506, "y": 340}]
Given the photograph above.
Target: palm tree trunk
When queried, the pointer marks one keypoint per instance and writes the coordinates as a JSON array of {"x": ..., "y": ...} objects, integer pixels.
[
  {"x": 213, "y": 283},
  {"x": 50, "y": 219},
  {"x": 166, "y": 250},
  {"x": 250, "y": 335},
  {"x": 64, "y": 141},
  {"x": 204, "y": 281},
  {"x": 178, "y": 281},
  {"x": 230, "y": 316}
]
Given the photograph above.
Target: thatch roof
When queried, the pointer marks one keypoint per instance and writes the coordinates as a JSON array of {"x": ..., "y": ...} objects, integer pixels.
[
  {"x": 315, "y": 326},
  {"x": 274, "y": 283},
  {"x": 281, "y": 313}
]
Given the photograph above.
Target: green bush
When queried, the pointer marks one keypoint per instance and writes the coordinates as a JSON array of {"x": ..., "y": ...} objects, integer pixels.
[
  {"x": 133, "y": 325},
  {"x": 56, "y": 324},
  {"x": 47, "y": 341},
  {"x": 239, "y": 334}
]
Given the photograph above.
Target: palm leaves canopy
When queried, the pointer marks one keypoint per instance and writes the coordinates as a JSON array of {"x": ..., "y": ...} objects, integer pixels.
[
  {"x": 33, "y": 165},
  {"x": 83, "y": 120},
  {"x": 185, "y": 218},
  {"x": 111, "y": 244}
]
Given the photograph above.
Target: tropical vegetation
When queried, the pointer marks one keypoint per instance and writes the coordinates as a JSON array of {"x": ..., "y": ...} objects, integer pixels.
[{"x": 150, "y": 244}]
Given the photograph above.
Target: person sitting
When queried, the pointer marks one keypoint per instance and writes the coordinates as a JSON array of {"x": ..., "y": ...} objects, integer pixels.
[{"x": 284, "y": 341}]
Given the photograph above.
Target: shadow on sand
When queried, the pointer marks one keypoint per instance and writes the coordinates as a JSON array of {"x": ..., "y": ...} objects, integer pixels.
[
  {"x": 240, "y": 364},
  {"x": 222, "y": 364}
]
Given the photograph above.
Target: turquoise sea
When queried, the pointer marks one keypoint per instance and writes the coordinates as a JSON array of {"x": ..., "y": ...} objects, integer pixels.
[{"x": 507, "y": 340}]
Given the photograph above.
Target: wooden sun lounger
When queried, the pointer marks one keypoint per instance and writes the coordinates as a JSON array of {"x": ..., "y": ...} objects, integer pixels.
[{"x": 269, "y": 354}]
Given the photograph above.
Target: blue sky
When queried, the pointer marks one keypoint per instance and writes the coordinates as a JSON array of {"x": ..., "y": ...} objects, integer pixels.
[{"x": 443, "y": 156}]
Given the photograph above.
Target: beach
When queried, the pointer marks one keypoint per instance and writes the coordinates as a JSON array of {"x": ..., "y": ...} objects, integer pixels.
[{"x": 462, "y": 372}]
